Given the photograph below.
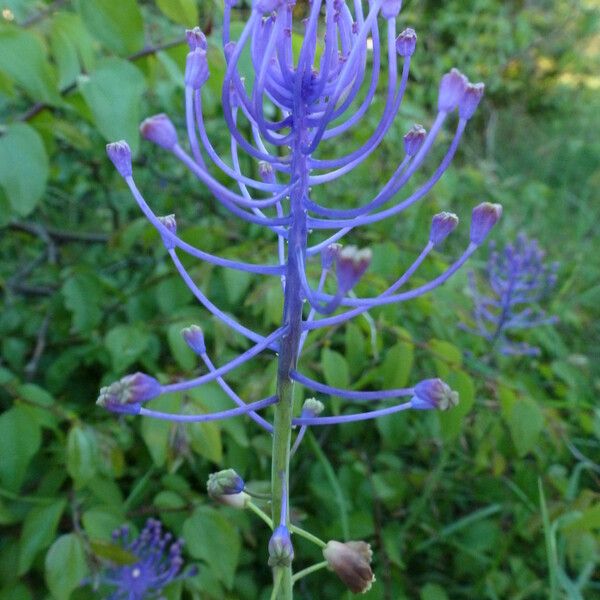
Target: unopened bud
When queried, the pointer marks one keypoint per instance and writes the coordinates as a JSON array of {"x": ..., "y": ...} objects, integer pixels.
[
  {"x": 281, "y": 551},
  {"x": 224, "y": 483},
  {"x": 433, "y": 394},
  {"x": 312, "y": 407},
  {"x": 160, "y": 130},
  {"x": 452, "y": 88},
  {"x": 266, "y": 7},
  {"x": 120, "y": 156},
  {"x": 171, "y": 224},
  {"x": 129, "y": 390},
  {"x": 194, "y": 338},
  {"x": 350, "y": 266},
  {"x": 413, "y": 140},
  {"x": 351, "y": 562},
  {"x": 329, "y": 255},
  {"x": 442, "y": 225},
  {"x": 406, "y": 42},
  {"x": 196, "y": 39},
  {"x": 471, "y": 97},
  {"x": 196, "y": 69},
  {"x": 390, "y": 8},
  {"x": 483, "y": 219},
  {"x": 265, "y": 171}
]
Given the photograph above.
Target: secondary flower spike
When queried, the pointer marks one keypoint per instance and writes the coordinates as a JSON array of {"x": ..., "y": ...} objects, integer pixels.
[{"x": 291, "y": 125}]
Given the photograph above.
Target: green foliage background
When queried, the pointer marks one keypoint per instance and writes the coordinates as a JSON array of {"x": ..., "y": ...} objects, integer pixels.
[{"x": 497, "y": 499}]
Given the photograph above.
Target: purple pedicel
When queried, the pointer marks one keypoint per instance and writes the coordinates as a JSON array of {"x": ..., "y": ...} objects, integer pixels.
[
  {"x": 315, "y": 93},
  {"x": 515, "y": 280},
  {"x": 156, "y": 561}
]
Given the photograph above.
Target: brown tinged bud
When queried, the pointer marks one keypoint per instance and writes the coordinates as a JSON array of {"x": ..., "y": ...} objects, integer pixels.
[{"x": 351, "y": 562}]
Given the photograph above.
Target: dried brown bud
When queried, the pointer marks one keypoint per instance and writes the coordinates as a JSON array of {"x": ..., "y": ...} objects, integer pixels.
[{"x": 351, "y": 562}]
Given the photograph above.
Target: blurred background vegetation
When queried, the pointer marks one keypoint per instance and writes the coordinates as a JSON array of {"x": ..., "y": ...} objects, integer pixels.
[{"x": 498, "y": 499}]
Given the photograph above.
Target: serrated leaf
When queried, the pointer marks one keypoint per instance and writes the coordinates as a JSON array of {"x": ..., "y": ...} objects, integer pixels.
[
  {"x": 23, "y": 167},
  {"x": 23, "y": 59},
  {"x": 65, "y": 566},
  {"x": 211, "y": 537},
  {"x": 113, "y": 93},
  {"x": 183, "y": 12},
  {"x": 39, "y": 529},
  {"x": 20, "y": 440},
  {"x": 118, "y": 24}
]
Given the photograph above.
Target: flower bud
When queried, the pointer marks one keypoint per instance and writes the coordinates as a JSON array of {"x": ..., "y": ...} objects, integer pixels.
[
  {"x": 120, "y": 156},
  {"x": 329, "y": 255},
  {"x": 351, "y": 264},
  {"x": 433, "y": 394},
  {"x": 351, "y": 562},
  {"x": 160, "y": 130},
  {"x": 196, "y": 69},
  {"x": 414, "y": 138},
  {"x": 228, "y": 50},
  {"x": 129, "y": 390},
  {"x": 171, "y": 224},
  {"x": 312, "y": 407},
  {"x": 452, "y": 88},
  {"x": 195, "y": 38},
  {"x": 265, "y": 171},
  {"x": 266, "y": 7},
  {"x": 194, "y": 338},
  {"x": 281, "y": 551},
  {"x": 390, "y": 8},
  {"x": 442, "y": 225},
  {"x": 224, "y": 483},
  {"x": 470, "y": 99},
  {"x": 406, "y": 42},
  {"x": 483, "y": 218}
]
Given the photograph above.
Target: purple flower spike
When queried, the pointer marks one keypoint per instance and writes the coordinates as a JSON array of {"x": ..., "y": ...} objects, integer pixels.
[
  {"x": 351, "y": 264},
  {"x": 406, "y": 42},
  {"x": 196, "y": 39},
  {"x": 171, "y": 224},
  {"x": 414, "y": 138},
  {"x": 452, "y": 89},
  {"x": 469, "y": 102},
  {"x": 483, "y": 219},
  {"x": 131, "y": 389},
  {"x": 281, "y": 550},
  {"x": 196, "y": 69},
  {"x": 194, "y": 338},
  {"x": 390, "y": 8},
  {"x": 160, "y": 130},
  {"x": 433, "y": 394},
  {"x": 442, "y": 225},
  {"x": 120, "y": 156},
  {"x": 157, "y": 561}
]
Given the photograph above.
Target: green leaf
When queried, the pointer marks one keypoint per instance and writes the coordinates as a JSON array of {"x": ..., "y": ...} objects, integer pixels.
[
  {"x": 181, "y": 352},
  {"x": 183, "y": 12},
  {"x": 81, "y": 293},
  {"x": 397, "y": 365},
  {"x": 126, "y": 344},
  {"x": 118, "y": 24},
  {"x": 39, "y": 529},
  {"x": 113, "y": 92},
  {"x": 446, "y": 357},
  {"x": 23, "y": 58},
  {"x": 155, "y": 432},
  {"x": 23, "y": 167},
  {"x": 432, "y": 591},
  {"x": 526, "y": 422},
  {"x": 113, "y": 553},
  {"x": 81, "y": 454},
  {"x": 71, "y": 46},
  {"x": 20, "y": 440},
  {"x": 236, "y": 284},
  {"x": 65, "y": 566},
  {"x": 205, "y": 438},
  {"x": 335, "y": 368},
  {"x": 355, "y": 349},
  {"x": 452, "y": 420},
  {"x": 99, "y": 522},
  {"x": 211, "y": 537}
]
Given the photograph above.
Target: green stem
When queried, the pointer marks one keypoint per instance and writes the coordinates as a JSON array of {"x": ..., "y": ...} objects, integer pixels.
[
  {"x": 262, "y": 515},
  {"x": 309, "y": 570},
  {"x": 307, "y": 535},
  {"x": 276, "y": 585},
  {"x": 280, "y": 474}
]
